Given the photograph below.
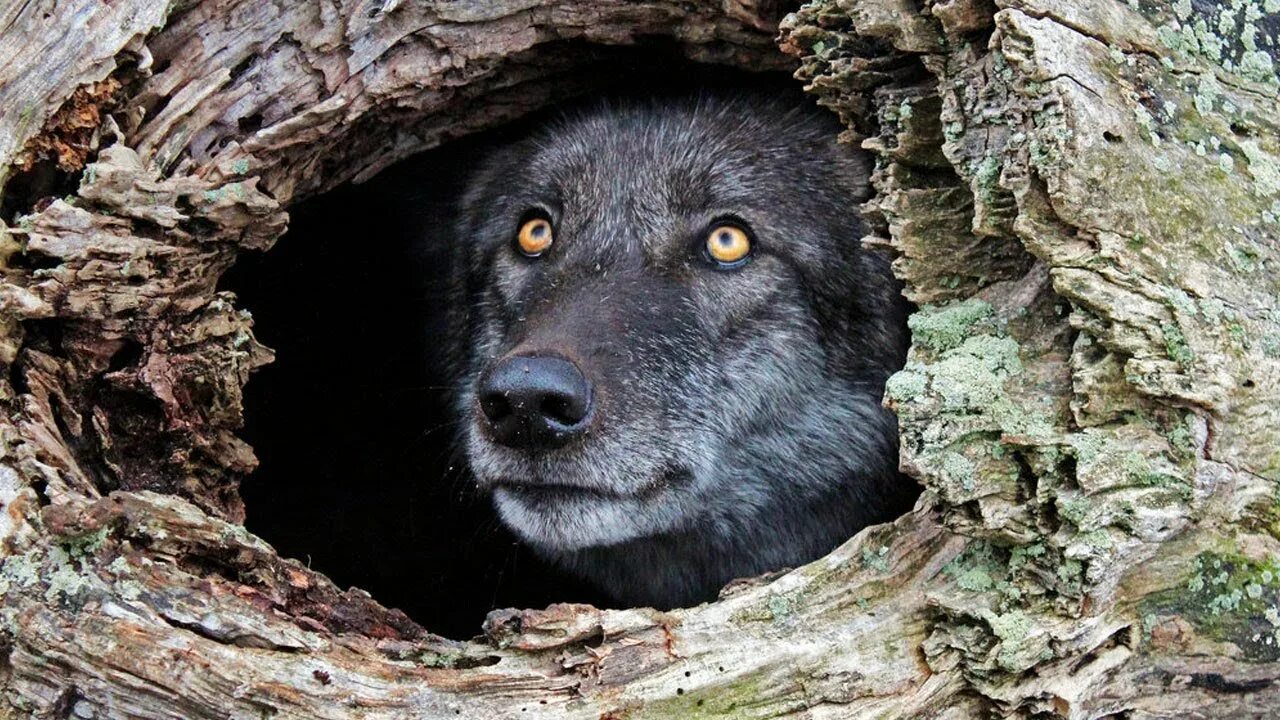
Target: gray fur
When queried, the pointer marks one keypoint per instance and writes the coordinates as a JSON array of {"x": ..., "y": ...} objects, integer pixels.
[{"x": 738, "y": 426}]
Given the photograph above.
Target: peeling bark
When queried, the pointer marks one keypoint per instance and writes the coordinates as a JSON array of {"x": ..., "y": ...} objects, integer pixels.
[{"x": 1084, "y": 200}]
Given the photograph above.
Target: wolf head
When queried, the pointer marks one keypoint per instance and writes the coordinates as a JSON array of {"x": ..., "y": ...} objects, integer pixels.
[{"x": 674, "y": 345}]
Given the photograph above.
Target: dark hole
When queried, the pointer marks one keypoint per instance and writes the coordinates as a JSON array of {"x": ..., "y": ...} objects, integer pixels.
[
  {"x": 243, "y": 66},
  {"x": 250, "y": 123},
  {"x": 41, "y": 486},
  {"x": 33, "y": 260},
  {"x": 128, "y": 355},
  {"x": 44, "y": 181},
  {"x": 136, "y": 421},
  {"x": 1111, "y": 137},
  {"x": 45, "y": 335},
  {"x": 18, "y": 379},
  {"x": 1247, "y": 383}
]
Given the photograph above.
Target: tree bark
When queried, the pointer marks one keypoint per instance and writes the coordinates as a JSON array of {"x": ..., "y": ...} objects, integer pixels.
[{"x": 1083, "y": 198}]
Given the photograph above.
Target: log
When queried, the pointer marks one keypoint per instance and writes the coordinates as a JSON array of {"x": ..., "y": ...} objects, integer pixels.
[{"x": 1083, "y": 199}]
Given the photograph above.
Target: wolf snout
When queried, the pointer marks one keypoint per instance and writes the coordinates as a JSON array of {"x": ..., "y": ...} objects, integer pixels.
[{"x": 534, "y": 402}]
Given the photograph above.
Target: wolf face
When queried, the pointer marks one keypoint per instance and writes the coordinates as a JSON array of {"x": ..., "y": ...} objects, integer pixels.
[{"x": 672, "y": 346}]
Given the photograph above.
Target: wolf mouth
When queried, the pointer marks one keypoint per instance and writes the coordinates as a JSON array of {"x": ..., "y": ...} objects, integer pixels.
[
  {"x": 670, "y": 478},
  {"x": 552, "y": 492}
]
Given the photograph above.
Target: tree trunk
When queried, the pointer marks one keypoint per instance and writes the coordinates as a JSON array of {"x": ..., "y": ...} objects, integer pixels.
[{"x": 1084, "y": 199}]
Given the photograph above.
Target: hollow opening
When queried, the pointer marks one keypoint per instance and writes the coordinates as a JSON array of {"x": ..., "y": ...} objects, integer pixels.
[{"x": 360, "y": 476}]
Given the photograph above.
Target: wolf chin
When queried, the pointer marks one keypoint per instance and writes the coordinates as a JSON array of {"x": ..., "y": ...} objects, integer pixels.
[{"x": 645, "y": 415}]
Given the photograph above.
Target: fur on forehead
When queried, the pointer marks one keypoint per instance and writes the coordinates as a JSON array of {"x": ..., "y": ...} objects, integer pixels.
[{"x": 695, "y": 147}]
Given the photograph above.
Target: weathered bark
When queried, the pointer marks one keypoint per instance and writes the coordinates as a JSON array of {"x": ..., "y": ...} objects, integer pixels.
[{"x": 1084, "y": 199}]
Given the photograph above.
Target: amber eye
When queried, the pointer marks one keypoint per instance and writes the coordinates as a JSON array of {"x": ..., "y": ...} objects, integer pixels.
[
  {"x": 728, "y": 244},
  {"x": 535, "y": 236}
]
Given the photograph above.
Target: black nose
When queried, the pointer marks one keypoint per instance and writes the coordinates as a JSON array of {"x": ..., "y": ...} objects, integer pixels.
[{"x": 535, "y": 402}]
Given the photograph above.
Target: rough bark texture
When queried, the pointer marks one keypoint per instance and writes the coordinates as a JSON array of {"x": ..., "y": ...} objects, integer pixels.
[{"x": 1084, "y": 198}]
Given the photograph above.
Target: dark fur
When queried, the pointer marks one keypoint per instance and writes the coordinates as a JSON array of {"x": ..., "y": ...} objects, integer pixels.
[{"x": 738, "y": 426}]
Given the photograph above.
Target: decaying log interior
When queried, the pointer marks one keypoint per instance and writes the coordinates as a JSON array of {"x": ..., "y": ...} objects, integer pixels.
[{"x": 1085, "y": 201}]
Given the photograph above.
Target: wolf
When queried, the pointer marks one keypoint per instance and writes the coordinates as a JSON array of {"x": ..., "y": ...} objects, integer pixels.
[{"x": 670, "y": 346}]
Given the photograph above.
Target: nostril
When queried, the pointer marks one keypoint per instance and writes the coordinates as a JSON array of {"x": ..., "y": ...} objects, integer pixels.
[
  {"x": 563, "y": 409},
  {"x": 495, "y": 405}
]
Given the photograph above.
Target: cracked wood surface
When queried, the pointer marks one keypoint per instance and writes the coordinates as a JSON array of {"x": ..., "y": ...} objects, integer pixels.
[{"x": 1083, "y": 199}]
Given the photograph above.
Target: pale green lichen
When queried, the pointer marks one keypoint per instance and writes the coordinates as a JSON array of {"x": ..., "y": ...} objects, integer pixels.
[
  {"x": 780, "y": 606},
  {"x": 943, "y": 328},
  {"x": 975, "y": 580},
  {"x": 958, "y": 468},
  {"x": 1226, "y": 163},
  {"x": 23, "y": 570},
  {"x": 1088, "y": 444},
  {"x": 1098, "y": 539},
  {"x": 84, "y": 545},
  {"x": 1181, "y": 439},
  {"x": 1073, "y": 510},
  {"x": 1175, "y": 345},
  {"x": 1256, "y": 65},
  {"x": 905, "y": 385},
  {"x": 432, "y": 658},
  {"x": 1226, "y": 34},
  {"x": 1169, "y": 36},
  {"x": 964, "y": 383},
  {"x": 65, "y": 584},
  {"x": 1229, "y": 597},
  {"x": 1138, "y": 470},
  {"x": 981, "y": 567},
  {"x": 1206, "y": 94},
  {"x": 1238, "y": 335},
  {"x": 1018, "y": 649},
  {"x": 1025, "y": 555},
  {"x": 986, "y": 177},
  {"x": 973, "y": 374},
  {"x": 1264, "y": 169},
  {"x": 877, "y": 560}
]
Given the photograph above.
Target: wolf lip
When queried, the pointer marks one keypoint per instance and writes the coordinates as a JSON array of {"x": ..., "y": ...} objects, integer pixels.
[
  {"x": 552, "y": 491},
  {"x": 670, "y": 477}
]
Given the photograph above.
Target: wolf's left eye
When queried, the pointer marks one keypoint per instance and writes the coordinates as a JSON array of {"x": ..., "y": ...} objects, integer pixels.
[
  {"x": 535, "y": 236},
  {"x": 728, "y": 245}
]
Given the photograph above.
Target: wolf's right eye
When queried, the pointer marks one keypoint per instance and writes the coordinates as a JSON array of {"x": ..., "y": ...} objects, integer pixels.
[
  {"x": 728, "y": 245},
  {"x": 535, "y": 236}
]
